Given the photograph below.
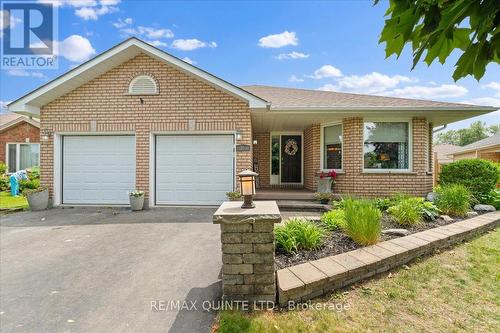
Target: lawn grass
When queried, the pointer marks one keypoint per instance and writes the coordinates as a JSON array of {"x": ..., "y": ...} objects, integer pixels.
[
  {"x": 9, "y": 202},
  {"x": 457, "y": 290}
]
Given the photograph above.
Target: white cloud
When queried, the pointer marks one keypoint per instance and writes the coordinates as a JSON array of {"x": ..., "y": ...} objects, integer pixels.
[
  {"x": 93, "y": 13},
  {"x": 6, "y": 20},
  {"x": 294, "y": 78},
  {"x": 326, "y": 71},
  {"x": 292, "y": 55},
  {"x": 370, "y": 83},
  {"x": 152, "y": 35},
  {"x": 75, "y": 48},
  {"x": 279, "y": 40},
  {"x": 441, "y": 91},
  {"x": 487, "y": 101},
  {"x": 122, "y": 23},
  {"x": 3, "y": 106},
  {"x": 191, "y": 44},
  {"x": 189, "y": 61},
  {"x": 157, "y": 43},
  {"x": 493, "y": 85},
  {"x": 25, "y": 73},
  {"x": 81, "y": 3}
]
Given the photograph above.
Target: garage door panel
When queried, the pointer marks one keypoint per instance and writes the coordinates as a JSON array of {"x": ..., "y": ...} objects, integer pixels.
[
  {"x": 194, "y": 169},
  {"x": 98, "y": 169}
]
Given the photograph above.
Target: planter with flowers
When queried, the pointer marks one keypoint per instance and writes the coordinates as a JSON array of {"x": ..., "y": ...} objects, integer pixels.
[
  {"x": 326, "y": 180},
  {"x": 136, "y": 200},
  {"x": 38, "y": 197}
]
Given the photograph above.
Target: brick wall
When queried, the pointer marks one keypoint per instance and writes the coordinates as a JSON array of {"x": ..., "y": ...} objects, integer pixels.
[
  {"x": 18, "y": 134},
  {"x": 262, "y": 153},
  {"x": 181, "y": 98},
  {"x": 353, "y": 181}
]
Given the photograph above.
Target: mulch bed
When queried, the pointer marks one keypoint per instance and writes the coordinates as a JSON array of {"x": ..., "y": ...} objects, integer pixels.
[{"x": 337, "y": 242}]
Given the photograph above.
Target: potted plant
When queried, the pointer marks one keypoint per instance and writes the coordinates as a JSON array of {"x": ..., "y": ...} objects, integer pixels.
[
  {"x": 326, "y": 181},
  {"x": 323, "y": 197},
  {"x": 233, "y": 196},
  {"x": 136, "y": 200},
  {"x": 38, "y": 198}
]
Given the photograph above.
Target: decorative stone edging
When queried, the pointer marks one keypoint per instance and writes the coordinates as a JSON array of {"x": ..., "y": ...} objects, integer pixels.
[{"x": 311, "y": 279}]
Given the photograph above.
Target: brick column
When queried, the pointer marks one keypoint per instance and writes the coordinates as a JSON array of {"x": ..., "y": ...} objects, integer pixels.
[{"x": 248, "y": 250}]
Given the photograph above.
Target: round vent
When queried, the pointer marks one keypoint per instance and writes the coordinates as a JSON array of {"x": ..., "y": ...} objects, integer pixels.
[{"x": 143, "y": 85}]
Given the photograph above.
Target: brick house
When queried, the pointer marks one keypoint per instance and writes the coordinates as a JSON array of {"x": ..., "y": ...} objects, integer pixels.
[
  {"x": 19, "y": 142},
  {"x": 137, "y": 117}
]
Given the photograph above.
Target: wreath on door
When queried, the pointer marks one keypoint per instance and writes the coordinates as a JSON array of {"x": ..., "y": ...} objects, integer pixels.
[{"x": 291, "y": 147}]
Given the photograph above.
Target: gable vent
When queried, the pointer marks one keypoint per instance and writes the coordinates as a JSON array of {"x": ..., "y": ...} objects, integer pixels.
[{"x": 143, "y": 85}]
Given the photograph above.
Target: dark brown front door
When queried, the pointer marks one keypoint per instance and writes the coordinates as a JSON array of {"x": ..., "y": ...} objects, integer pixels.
[{"x": 291, "y": 158}]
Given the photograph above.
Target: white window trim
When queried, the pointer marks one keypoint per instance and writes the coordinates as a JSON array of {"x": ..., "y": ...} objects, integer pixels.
[
  {"x": 138, "y": 77},
  {"x": 322, "y": 146},
  {"x": 18, "y": 153},
  {"x": 271, "y": 134},
  {"x": 410, "y": 146}
]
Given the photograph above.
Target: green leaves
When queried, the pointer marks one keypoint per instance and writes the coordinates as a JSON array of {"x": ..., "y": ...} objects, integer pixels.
[{"x": 438, "y": 27}]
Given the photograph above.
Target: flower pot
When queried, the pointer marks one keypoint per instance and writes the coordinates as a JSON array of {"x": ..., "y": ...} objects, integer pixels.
[
  {"x": 38, "y": 200},
  {"x": 136, "y": 203},
  {"x": 324, "y": 184}
]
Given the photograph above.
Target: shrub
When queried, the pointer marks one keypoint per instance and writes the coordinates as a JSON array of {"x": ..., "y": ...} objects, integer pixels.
[
  {"x": 479, "y": 176},
  {"x": 3, "y": 168},
  {"x": 453, "y": 199},
  {"x": 34, "y": 173},
  {"x": 4, "y": 183},
  {"x": 334, "y": 219},
  {"x": 407, "y": 211},
  {"x": 362, "y": 221},
  {"x": 382, "y": 203},
  {"x": 233, "y": 196},
  {"x": 338, "y": 204},
  {"x": 323, "y": 197},
  {"x": 29, "y": 191},
  {"x": 30, "y": 184},
  {"x": 297, "y": 234},
  {"x": 493, "y": 198},
  {"x": 429, "y": 210}
]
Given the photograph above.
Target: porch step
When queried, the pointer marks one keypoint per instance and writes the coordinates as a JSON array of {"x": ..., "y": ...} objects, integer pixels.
[
  {"x": 302, "y": 206},
  {"x": 275, "y": 194}
]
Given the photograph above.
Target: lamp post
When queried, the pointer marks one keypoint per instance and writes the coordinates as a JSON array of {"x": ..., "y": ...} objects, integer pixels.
[{"x": 247, "y": 187}]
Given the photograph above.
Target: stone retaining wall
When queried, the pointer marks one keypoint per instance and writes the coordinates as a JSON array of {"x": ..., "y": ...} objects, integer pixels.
[{"x": 308, "y": 280}]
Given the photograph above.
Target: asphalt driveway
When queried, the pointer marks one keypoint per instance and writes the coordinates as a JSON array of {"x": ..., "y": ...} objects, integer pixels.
[{"x": 108, "y": 270}]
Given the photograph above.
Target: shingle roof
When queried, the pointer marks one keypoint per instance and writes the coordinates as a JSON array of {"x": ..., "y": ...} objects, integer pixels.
[
  {"x": 8, "y": 117},
  {"x": 303, "y": 98},
  {"x": 489, "y": 141}
]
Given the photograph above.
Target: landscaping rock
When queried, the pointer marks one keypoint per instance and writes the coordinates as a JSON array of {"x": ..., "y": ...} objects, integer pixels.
[
  {"x": 446, "y": 218},
  {"x": 396, "y": 232},
  {"x": 431, "y": 196},
  {"x": 471, "y": 214},
  {"x": 484, "y": 208}
]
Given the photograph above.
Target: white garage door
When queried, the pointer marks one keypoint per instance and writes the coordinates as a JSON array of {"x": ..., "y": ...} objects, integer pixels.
[
  {"x": 194, "y": 169},
  {"x": 98, "y": 169}
]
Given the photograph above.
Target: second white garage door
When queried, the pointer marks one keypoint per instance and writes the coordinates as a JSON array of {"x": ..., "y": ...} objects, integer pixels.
[
  {"x": 194, "y": 169},
  {"x": 98, "y": 169}
]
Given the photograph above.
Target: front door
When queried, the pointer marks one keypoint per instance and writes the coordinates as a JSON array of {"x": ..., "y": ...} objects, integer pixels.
[{"x": 291, "y": 159}]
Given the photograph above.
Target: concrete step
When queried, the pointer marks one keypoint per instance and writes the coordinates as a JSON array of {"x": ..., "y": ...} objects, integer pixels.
[
  {"x": 295, "y": 195},
  {"x": 302, "y": 206}
]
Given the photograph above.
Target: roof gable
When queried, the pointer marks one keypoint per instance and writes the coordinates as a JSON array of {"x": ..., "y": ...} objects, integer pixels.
[
  {"x": 10, "y": 120},
  {"x": 31, "y": 103}
]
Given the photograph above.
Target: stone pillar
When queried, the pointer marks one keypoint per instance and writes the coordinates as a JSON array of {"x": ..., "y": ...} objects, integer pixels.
[{"x": 248, "y": 250}]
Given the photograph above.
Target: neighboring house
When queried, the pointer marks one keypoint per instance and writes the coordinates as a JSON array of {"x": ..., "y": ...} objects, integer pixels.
[
  {"x": 442, "y": 157},
  {"x": 137, "y": 117},
  {"x": 19, "y": 142},
  {"x": 486, "y": 149}
]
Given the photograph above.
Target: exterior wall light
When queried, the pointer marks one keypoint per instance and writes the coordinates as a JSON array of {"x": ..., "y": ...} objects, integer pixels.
[
  {"x": 239, "y": 136},
  {"x": 247, "y": 187}
]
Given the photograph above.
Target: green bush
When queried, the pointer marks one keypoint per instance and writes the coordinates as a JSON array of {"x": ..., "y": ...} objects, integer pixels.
[
  {"x": 4, "y": 183},
  {"x": 362, "y": 221},
  {"x": 30, "y": 184},
  {"x": 3, "y": 168},
  {"x": 493, "y": 198},
  {"x": 323, "y": 197},
  {"x": 298, "y": 234},
  {"x": 453, "y": 199},
  {"x": 233, "y": 196},
  {"x": 34, "y": 173},
  {"x": 383, "y": 203},
  {"x": 479, "y": 176},
  {"x": 407, "y": 211},
  {"x": 429, "y": 210},
  {"x": 334, "y": 219}
]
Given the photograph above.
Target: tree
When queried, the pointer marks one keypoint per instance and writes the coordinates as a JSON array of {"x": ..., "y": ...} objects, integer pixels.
[
  {"x": 437, "y": 27},
  {"x": 477, "y": 131}
]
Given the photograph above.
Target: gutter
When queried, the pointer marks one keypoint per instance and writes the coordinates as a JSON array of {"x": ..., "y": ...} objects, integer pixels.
[{"x": 434, "y": 131}]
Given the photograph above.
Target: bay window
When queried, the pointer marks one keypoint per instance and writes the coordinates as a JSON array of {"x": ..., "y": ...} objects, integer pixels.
[
  {"x": 332, "y": 147},
  {"x": 22, "y": 156},
  {"x": 386, "y": 145}
]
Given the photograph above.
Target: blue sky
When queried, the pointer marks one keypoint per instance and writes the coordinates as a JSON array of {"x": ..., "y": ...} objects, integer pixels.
[{"x": 315, "y": 45}]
